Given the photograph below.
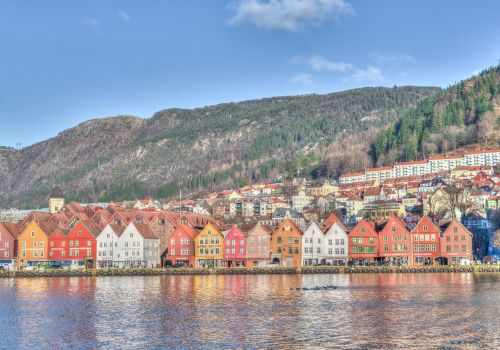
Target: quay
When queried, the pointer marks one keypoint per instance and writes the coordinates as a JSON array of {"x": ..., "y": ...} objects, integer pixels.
[{"x": 250, "y": 271}]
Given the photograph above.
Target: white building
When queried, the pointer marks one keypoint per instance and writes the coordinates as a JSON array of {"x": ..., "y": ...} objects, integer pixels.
[
  {"x": 486, "y": 157},
  {"x": 440, "y": 163},
  {"x": 379, "y": 174},
  {"x": 301, "y": 200},
  {"x": 335, "y": 245},
  {"x": 352, "y": 177},
  {"x": 312, "y": 245},
  {"x": 135, "y": 246},
  {"x": 414, "y": 168}
]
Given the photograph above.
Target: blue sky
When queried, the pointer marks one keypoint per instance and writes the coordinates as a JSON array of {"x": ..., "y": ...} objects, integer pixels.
[{"x": 64, "y": 62}]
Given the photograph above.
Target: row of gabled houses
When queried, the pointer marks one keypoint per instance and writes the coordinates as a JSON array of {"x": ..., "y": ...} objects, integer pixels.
[
  {"x": 369, "y": 242},
  {"x": 72, "y": 233}
]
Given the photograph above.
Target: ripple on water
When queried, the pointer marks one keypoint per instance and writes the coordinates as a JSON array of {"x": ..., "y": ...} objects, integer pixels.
[{"x": 379, "y": 311}]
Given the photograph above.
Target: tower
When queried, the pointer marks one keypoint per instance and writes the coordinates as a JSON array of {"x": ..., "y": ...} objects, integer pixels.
[{"x": 56, "y": 200}]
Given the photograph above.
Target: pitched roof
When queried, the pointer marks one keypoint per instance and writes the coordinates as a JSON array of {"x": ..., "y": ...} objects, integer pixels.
[
  {"x": 146, "y": 231},
  {"x": 331, "y": 220}
]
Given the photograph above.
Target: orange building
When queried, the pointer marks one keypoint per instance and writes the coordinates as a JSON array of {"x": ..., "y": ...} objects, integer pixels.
[
  {"x": 33, "y": 244},
  {"x": 286, "y": 244}
]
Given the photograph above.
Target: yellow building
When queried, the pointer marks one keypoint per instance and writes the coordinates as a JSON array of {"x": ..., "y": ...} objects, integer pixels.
[
  {"x": 33, "y": 244},
  {"x": 56, "y": 200},
  {"x": 209, "y": 247}
]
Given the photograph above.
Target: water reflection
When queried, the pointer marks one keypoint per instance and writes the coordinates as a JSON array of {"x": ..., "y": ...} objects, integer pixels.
[{"x": 252, "y": 312}]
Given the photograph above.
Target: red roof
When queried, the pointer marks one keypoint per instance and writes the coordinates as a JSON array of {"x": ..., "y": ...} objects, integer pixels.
[
  {"x": 483, "y": 151},
  {"x": 411, "y": 163}
]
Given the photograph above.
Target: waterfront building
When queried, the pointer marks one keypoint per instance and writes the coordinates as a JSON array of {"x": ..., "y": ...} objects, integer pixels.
[
  {"x": 107, "y": 246},
  {"x": 32, "y": 244},
  {"x": 335, "y": 242},
  {"x": 235, "y": 247},
  {"x": 456, "y": 244},
  {"x": 363, "y": 243},
  {"x": 181, "y": 245},
  {"x": 286, "y": 244},
  {"x": 395, "y": 242},
  {"x": 9, "y": 234},
  {"x": 313, "y": 246},
  {"x": 259, "y": 245},
  {"x": 209, "y": 247},
  {"x": 58, "y": 248},
  {"x": 82, "y": 244},
  {"x": 425, "y": 242}
]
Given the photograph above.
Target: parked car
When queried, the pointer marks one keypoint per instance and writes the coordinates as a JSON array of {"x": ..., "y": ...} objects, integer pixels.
[
  {"x": 31, "y": 268},
  {"x": 273, "y": 264},
  {"x": 176, "y": 266}
]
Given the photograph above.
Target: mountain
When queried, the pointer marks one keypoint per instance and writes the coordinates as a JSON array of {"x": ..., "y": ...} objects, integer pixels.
[
  {"x": 126, "y": 157},
  {"x": 465, "y": 114}
]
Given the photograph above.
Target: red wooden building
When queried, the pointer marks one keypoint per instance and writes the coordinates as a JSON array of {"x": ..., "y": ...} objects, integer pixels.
[
  {"x": 82, "y": 244},
  {"x": 235, "y": 248},
  {"x": 425, "y": 243},
  {"x": 58, "y": 245},
  {"x": 456, "y": 244},
  {"x": 363, "y": 243},
  {"x": 180, "y": 245},
  {"x": 394, "y": 242}
]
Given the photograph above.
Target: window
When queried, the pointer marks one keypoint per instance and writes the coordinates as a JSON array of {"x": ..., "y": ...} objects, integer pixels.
[
  {"x": 80, "y": 233},
  {"x": 448, "y": 249},
  {"x": 386, "y": 247},
  {"x": 330, "y": 241},
  {"x": 32, "y": 233},
  {"x": 455, "y": 229},
  {"x": 385, "y": 238},
  {"x": 131, "y": 234},
  {"x": 63, "y": 253},
  {"x": 372, "y": 240},
  {"x": 89, "y": 252},
  {"x": 448, "y": 238},
  {"x": 362, "y": 229},
  {"x": 290, "y": 240},
  {"x": 330, "y": 251},
  {"x": 51, "y": 243},
  {"x": 464, "y": 248},
  {"x": 342, "y": 251},
  {"x": 24, "y": 254},
  {"x": 89, "y": 243},
  {"x": 51, "y": 253},
  {"x": 24, "y": 244},
  {"x": 425, "y": 228},
  {"x": 289, "y": 250},
  {"x": 455, "y": 248},
  {"x": 279, "y": 240},
  {"x": 455, "y": 238},
  {"x": 77, "y": 243},
  {"x": 318, "y": 250},
  {"x": 393, "y": 228},
  {"x": 63, "y": 243},
  {"x": 342, "y": 241}
]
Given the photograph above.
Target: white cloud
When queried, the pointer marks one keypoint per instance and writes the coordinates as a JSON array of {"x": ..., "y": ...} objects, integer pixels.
[
  {"x": 91, "y": 22},
  {"x": 291, "y": 15},
  {"x": 125, "y": 17},
  {"x": 382, "y": 58},
  {"x": 302, "y": 79},
  {"x": 320, "y": 63},
  {"x": 370, "y": 74}
]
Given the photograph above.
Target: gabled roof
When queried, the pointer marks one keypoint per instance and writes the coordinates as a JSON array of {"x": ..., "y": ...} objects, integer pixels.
[
  {"x": 331, "y": 220},
  {"x": 188, "y": 230},
  {"x": 14, "y": 230},
  {"x": 146, "y": 231}
]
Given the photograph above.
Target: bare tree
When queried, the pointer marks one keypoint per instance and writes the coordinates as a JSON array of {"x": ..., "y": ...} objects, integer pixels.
[{"x": 459, "y": 198}]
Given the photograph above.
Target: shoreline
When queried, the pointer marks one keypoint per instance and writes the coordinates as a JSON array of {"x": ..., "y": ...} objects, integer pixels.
[{"x": 252, "y": 271}]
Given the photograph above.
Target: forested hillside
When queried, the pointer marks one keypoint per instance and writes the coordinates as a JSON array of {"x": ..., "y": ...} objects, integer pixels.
[
  {"x": 205, "y": 148},
  {"x": 463, "y": 114}
]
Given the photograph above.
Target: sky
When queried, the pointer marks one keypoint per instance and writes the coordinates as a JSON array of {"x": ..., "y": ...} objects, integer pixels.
[{"x": 64, "y": 62}]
